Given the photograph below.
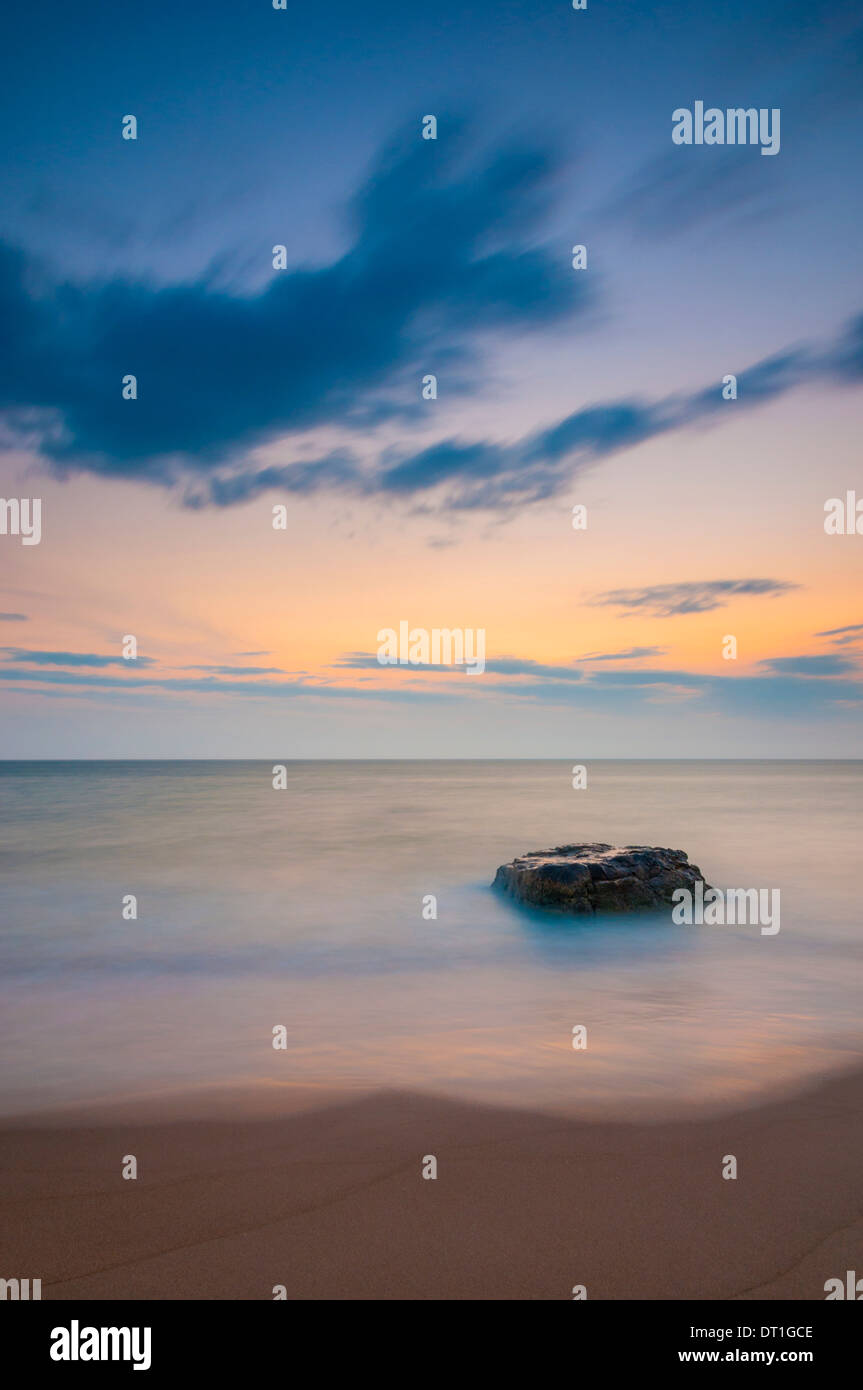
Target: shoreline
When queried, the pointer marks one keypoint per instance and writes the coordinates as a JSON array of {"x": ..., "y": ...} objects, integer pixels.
[
  {"x": 263, "y": 1099},
  {"x": 330, "y": 1201}
]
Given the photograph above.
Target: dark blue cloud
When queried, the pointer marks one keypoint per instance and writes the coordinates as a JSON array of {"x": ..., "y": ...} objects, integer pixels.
[
  {"x": 440, "y": 252},
  {"x": 488, "y": 474},
  {"x": 845, "y": 359},
  {"x": 440, "y": 463},
  {"x": 595, "y": 429},
  {"x": 763, "y": 382},
  {"x": 13, "y": 617},
  {"x": 336, "y": 471}
]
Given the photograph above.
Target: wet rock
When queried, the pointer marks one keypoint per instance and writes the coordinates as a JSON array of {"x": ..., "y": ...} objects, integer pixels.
[{"x": 598, "y": 878}]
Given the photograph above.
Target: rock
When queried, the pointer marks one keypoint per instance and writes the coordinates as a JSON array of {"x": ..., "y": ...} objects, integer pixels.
[{"x": 598, "y": 878}]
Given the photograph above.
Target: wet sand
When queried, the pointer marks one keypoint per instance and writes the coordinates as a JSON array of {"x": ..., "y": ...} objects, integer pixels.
[{"x": 331, "y": 1202}]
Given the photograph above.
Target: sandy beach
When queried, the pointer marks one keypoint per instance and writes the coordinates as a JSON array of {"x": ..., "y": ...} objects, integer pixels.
[{"x": 331, "y": 1202}]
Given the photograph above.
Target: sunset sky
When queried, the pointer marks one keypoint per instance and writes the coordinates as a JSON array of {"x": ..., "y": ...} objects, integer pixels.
[{"x": 556, "y": 387}]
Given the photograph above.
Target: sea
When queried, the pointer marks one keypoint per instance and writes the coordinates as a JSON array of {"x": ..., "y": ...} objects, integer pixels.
[{"x": 163, "y": 924}]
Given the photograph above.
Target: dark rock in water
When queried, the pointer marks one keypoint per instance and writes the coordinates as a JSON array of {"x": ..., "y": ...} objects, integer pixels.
[{"x": 598, "y": 878}]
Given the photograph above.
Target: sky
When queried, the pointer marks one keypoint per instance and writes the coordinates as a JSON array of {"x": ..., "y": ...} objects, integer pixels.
[{"x": 301, "y": 387}]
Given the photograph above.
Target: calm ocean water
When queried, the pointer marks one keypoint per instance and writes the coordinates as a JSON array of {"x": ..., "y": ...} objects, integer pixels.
[{"x": 303, "y": 907}]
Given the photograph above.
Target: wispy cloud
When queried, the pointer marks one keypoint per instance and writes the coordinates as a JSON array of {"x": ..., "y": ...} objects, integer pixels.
[
  {"x": 629, "y": 654},
  {"x": 48, "y": 658},
  {"x": 670, "y": 600},
  {"x": 501, "y": 666},
  {"x": 772, "y": 693},
  {"x": 675, "y": 192},
  {"x": 823, "y": 665},
  {"x": 464, "y": 474},
  {"x": 212, "y": 685},
  {"x": 238, "y": 670},
  {"x": 843, "y": 636}
]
